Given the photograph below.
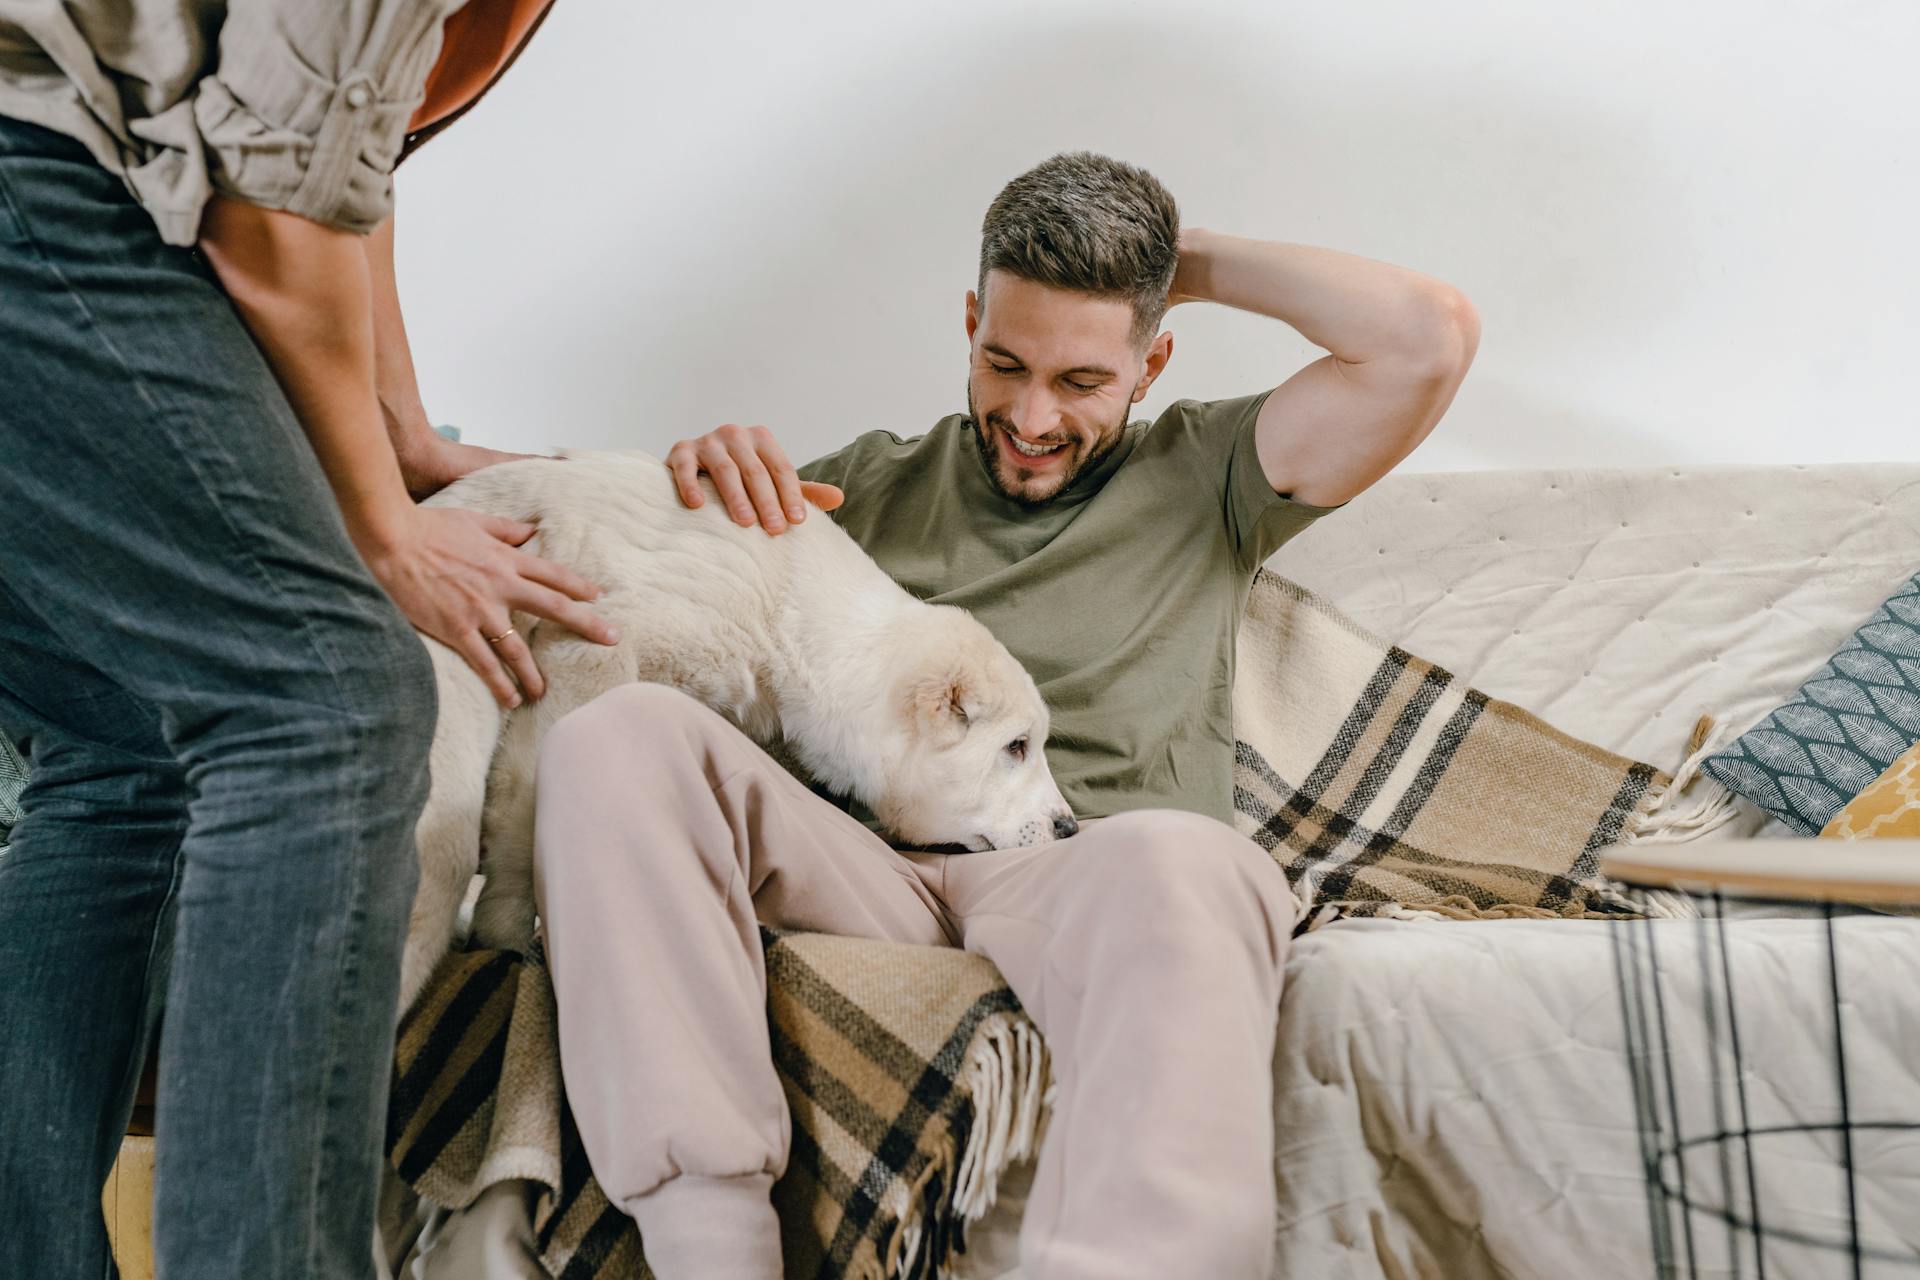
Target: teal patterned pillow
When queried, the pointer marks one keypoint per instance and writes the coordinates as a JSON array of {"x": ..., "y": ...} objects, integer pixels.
[{"x": 1841, "y": 730}]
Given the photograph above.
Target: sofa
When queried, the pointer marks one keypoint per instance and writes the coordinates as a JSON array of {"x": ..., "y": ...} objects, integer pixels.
[{"x": 1453, "y": 1098}]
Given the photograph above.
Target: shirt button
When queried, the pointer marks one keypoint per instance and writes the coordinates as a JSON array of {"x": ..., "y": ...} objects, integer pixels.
[{"x": 357, "y": 96}]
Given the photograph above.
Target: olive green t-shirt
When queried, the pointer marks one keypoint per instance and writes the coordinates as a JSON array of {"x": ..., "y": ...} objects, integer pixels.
[{"x": 1121, "y": 596}]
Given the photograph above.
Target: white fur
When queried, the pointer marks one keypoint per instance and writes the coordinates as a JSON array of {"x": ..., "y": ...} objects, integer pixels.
[{"x": 800, "y": 640}]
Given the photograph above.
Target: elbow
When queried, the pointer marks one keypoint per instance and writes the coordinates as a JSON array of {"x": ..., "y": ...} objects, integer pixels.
[{"x": 1450, "y": 336}]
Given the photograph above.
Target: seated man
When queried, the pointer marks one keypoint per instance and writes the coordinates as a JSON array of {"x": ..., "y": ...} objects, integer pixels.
[{"x": 1114, "y": 561}]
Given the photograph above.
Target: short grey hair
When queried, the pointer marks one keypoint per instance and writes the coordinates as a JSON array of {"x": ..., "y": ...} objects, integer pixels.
[{"x": 1089, "y": 223}]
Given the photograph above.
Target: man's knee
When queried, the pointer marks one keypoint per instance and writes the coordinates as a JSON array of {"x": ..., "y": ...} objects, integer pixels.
[
  {"x": 638, "y": 749},
  {"x": 1179, "y": 843},
  {"x": 1189, "y": 864},
  {"x": 629, "y": 717}
]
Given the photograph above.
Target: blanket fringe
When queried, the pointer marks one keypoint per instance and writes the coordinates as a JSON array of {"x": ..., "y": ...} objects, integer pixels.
[
  {"x": 1667, "y": 904},
  {"x": 1324, "y": 916},
  {"x": 1658, "y": 903},
  {"x": 1666, "y": 820},
  {"x": 1460, "y": 907},
  {"x": 922, "y": 1245},
  {"x": 1008, "y": 1077}
]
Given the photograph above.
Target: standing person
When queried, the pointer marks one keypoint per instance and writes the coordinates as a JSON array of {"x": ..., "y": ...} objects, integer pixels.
[
  {"x": 1114, "y": 560},
  {"x": 212, "y": 558}
]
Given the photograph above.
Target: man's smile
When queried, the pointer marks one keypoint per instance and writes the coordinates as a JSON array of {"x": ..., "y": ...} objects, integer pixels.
[{"x": 1020, "y": 450}]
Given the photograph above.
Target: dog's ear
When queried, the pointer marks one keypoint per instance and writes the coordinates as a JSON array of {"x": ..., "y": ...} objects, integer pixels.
[{"x": 938, "y": 700}]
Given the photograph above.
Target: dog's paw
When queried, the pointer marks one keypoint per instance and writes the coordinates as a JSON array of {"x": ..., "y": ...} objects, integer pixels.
[{"x": 502, "y": 921}]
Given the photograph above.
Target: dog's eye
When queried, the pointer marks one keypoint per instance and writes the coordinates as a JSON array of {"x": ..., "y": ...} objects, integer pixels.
[{"x": 1018, "y": 748}]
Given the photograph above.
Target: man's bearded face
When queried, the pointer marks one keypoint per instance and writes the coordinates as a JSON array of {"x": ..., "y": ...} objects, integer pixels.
[{"x": 1052, "y": 370}]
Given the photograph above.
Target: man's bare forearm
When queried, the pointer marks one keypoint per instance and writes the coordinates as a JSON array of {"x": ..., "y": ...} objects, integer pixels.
[
  {"x": 304, "y": 292},
  {"x": 1358, "y": 309}
]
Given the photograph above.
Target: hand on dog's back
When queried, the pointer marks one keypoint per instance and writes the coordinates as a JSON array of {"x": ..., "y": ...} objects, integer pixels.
[
  {"x": 459, "y": 576},
  {"x": 752, "y": 474}
]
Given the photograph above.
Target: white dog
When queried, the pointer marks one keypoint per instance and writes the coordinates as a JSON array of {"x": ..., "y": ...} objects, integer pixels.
[{"x": 801, "y": 640}]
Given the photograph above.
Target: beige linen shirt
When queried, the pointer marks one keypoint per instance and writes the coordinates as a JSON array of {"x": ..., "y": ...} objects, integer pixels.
[{"x": 299, "y": 105}]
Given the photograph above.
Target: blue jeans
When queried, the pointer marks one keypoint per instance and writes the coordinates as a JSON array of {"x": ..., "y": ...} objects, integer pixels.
[{"x": 227, "y": 722}]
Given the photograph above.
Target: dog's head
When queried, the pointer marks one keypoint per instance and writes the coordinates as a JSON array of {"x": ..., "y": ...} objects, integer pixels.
[{"x": 970, "y": 728}]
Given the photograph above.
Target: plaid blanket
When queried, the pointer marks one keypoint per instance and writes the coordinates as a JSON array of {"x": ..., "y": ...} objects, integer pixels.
[
  {"x": 911, "y": 1074},
  {"x": 1381, "y": 784},
  {"x": 1384, "y": 786}
]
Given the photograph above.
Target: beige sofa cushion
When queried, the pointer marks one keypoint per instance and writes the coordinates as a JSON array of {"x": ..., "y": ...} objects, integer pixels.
[{"x": 1620, "y": 605}]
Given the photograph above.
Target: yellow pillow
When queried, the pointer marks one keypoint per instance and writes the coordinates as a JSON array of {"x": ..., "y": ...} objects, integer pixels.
[{"x": 1889, "y": 807}]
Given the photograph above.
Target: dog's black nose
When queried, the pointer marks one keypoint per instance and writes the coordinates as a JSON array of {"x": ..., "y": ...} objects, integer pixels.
[{"x": 1064, "y": 826}]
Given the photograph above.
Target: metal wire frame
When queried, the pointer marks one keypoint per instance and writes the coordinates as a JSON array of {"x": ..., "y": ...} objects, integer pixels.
[{"x": 1675, "y": 1210}]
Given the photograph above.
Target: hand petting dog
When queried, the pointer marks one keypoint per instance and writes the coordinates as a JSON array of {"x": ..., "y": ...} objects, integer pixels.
[{"x": 753, "y": 474}]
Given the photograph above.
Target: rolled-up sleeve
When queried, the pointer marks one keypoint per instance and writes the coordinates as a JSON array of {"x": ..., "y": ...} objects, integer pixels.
[{"x": 308, "y": 106}]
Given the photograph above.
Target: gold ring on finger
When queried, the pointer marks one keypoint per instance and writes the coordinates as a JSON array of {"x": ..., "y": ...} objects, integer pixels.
[{"x": 502, "y": 636}]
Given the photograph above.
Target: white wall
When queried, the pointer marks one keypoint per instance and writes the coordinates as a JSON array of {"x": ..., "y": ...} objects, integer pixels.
[{"x": 1689, "y": 227}]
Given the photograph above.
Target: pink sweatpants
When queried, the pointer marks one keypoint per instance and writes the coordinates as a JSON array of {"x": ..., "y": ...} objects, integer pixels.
[{"x": 1147, "y": 947}]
